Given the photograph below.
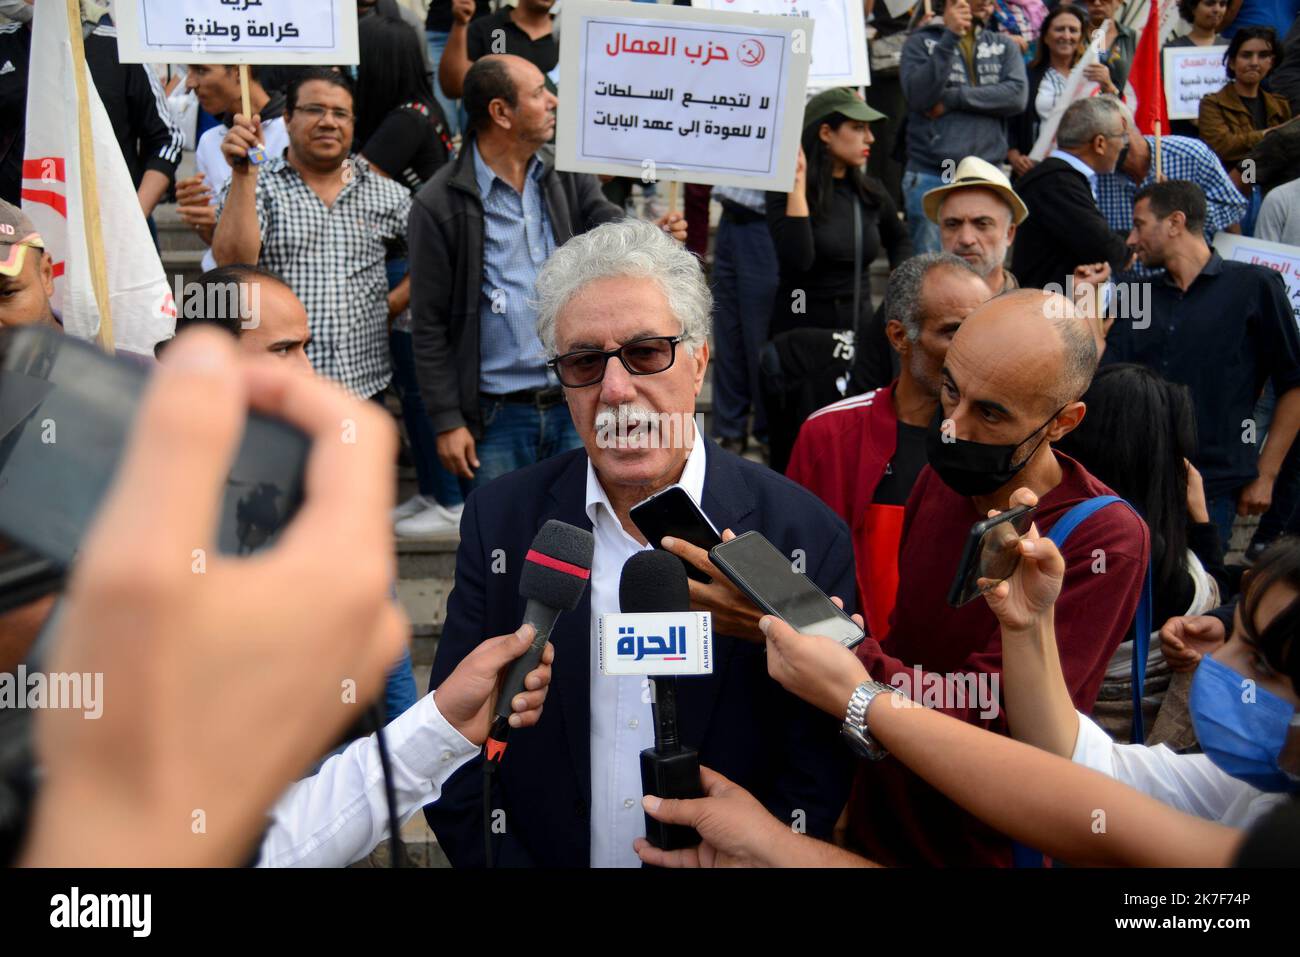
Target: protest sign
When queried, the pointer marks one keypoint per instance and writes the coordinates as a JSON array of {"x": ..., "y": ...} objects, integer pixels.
[
  {"x": 839, "y": 53},
  {"x": 673, "y": 93},
  {"x": 1261, "y": 252},
  {"x": 1190, "y": 73},
  {"x": 237, "y": 31}
]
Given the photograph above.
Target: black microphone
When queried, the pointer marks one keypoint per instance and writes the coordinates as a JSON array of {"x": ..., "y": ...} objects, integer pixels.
[
  {"x": 655, "y": 582},
  {"x": 554, "y": 576}
]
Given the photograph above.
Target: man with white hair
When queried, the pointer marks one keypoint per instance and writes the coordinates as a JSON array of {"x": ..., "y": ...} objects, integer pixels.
[{"x": 623, "y": 312}]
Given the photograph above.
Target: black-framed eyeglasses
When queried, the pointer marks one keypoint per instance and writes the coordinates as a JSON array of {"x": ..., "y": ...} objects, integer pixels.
[{"x": 646, "y": 356}]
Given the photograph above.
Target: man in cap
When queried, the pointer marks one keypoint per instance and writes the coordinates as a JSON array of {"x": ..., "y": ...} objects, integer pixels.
[
  {"x": 977, "y": 215},
  {"x": 26, "y": 272}
]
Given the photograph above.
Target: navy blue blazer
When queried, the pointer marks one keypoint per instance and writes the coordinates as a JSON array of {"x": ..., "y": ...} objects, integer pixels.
[{"x": 743, "y": 724}]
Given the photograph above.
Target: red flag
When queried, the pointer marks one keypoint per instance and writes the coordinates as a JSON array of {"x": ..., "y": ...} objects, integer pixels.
[{"x": 1145, "y": 77}]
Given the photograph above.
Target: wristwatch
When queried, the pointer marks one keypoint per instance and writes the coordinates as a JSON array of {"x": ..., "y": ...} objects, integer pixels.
[{"x": 854, "y": 728}]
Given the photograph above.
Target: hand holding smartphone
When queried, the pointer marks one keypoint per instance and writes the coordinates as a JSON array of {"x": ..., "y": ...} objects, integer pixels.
[
  {"x": 991, "y": 554},
  {"x": 673, "y": 513}
]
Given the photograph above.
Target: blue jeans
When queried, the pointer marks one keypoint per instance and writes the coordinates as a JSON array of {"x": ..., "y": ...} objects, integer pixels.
[
  {"x": 1223, "y": 512},
  {"x": 456, "y": 119},
  {"x": 745, "y": 279},
  {"x": 925, "y": 234},
  {"x": 433, "y": 478},
  {"x": 516, "y": 435},
  {"x": 399, "y": 689}
]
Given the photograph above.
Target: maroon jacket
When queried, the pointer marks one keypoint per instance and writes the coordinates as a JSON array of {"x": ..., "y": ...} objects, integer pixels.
[
  {"x": 897, "y": 818},
  {"x": 840, "y": 456}
]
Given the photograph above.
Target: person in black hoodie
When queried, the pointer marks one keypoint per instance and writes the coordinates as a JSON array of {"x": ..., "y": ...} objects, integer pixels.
[{"x": 1065, "y": 229}]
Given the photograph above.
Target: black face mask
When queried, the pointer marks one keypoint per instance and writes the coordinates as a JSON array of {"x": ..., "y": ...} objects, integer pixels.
[{"x": 974, "y": 468}]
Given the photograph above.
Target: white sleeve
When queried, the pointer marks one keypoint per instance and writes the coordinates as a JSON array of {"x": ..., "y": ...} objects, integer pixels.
[
  {"x": 339, "y": 814},
  {"x": 1189, "y": 782}
]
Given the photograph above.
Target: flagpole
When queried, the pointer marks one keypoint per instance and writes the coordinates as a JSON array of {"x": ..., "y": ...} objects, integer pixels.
[
  {"x": 245, "y": 97},
  {"x": 89, "y": 181},
  {"x": 1160, "y": 170}
]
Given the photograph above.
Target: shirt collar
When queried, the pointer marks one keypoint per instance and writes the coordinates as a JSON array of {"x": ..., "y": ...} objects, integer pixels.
[
  {"x": 1089, "y": 173},
  {"x": 485, "y": 176},
  {"x": 692, "y": 480}
]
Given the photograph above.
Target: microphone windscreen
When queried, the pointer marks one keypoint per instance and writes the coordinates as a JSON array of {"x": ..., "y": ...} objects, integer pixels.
[
  {"x": 558, "y": 565},
  {"x": 653, "y": 581}
]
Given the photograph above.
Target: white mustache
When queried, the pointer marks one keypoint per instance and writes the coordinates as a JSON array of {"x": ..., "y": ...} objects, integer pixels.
[{"x": 623, "y": 418}]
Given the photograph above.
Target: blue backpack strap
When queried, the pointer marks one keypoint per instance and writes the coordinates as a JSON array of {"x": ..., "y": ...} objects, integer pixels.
[{"x": 1027, "y": 857}]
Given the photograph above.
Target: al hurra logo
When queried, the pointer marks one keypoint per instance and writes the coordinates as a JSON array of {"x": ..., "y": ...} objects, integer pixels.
[{"x": 636, "y": 647}]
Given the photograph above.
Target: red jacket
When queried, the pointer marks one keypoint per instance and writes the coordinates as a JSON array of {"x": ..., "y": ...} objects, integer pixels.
[
  {"x": 894, "y": 816},
  {"x": 840, "y": 456}
]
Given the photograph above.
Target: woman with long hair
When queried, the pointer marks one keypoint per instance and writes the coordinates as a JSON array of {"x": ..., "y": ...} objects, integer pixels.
[
  {"x": 1062, "y": 41},
  {"x": 813, "y": 225},
  {"x": 1234, "y": 119}
]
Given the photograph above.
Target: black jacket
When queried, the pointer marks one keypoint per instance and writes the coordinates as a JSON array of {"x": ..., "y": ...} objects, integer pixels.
[
  {"x": 1065, "y": 228},
  {"x": 744, "y": 725},
  {"x": 445, "y": 238},
  {"x": 132, "y": 96}
]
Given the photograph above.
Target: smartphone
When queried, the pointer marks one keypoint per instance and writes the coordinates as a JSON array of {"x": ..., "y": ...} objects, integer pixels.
[
  {"x": 759, "y": 570},
  {"x": 674, "y": 512},
  {"x": 991, "y": 555},
  {"x": 66, "y": 410}
]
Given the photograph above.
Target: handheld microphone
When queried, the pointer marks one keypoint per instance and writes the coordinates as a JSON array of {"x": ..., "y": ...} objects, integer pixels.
[
  {"x": 554, "y": 576},
  {"x": 655, "y": 582}
]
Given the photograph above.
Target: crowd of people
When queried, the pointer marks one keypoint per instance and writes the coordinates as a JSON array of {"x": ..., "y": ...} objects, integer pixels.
[{"x": 1051, "y": 326}]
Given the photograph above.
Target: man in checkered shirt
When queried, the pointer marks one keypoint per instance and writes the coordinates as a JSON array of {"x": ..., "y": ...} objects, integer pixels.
[
  {"x": 324, "y": 221},
  {"x": 1182, "y": 157}
]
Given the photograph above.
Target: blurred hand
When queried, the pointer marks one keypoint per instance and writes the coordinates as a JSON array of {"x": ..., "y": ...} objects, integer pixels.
[
  {"x": 1030, "y": 593},
  {"x": 199, "y": 661},
  {"x": 936, "y": 111},
  {"x": 468, "y": 698},
  {"x": 1197, "y": 508},
  {"x": 1020, "y": 163},
  {"x": 245, "y": 135},
  {"x": 817, "y": 669},
  {"x": 957, "y": 17},
  {"x": 1186, "y": 638},
  {"x": 1097, "y": 73},
  {"x": 800, "y": 172},
  {"x": 456, "y": 450},
  {"x": 462, "y": 12},
  {"x": 674, "y": 224},
  {"x": 1256, "y": 497},
  {"x": 736, "y": 830},
  {"x": 733, "y": 613},
  {"x": 194, "y": 202}
]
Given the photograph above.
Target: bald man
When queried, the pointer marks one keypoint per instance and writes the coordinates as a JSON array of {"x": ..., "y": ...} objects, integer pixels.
[{"x": 1011, "y": 386}]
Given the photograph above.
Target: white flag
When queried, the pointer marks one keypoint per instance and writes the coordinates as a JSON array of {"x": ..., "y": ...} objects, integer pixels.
[
  {"x": 1076, "y": 88},
  {"x": 142, "y": 307}
]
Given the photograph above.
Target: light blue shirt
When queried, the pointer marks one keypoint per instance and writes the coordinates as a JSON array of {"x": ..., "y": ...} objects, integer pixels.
[
  {"x": 1081, "y": 166},
  {"x": 517, "y": 241}
]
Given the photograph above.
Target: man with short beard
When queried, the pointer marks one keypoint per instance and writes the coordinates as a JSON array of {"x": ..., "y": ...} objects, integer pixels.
[
  {"x": 861, "y": 455},
  {"x": 977, "y": 215},
  {"x": 624, "y": 313}
]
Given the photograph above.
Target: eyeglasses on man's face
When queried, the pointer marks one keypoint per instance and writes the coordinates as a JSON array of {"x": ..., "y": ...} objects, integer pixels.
[
  {"x": 647, "y": 356},
  {"x": 315, "y": 112}
]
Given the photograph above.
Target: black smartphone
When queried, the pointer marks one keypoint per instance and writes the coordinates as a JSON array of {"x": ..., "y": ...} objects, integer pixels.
[
  {"x": 66, "y": 411},
  {"x": 768, "y": 578},
  {"x": 991, "y": 555},
  {"x": 674, "y": 512}
]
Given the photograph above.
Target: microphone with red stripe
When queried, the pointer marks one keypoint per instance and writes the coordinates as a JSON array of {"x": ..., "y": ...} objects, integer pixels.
[{"x": 554, "y": 576}]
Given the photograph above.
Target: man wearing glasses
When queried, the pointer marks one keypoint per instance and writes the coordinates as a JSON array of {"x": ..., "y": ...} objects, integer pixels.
[
  {"x": 623, "y": 313},
  {"x": 1066, "y": 230},
  {"x": 480, "y": 231},
  {"x": 324, "y": 221}
]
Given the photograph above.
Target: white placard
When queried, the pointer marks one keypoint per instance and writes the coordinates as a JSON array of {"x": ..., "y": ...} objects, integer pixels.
[
  {"x": 676, "y": 643},
  {"x": 661, "y": 92},
  {"x": 237, "y": 31},
  {"x": 839, "y": 54},
  {"x": 1260, "y": 252},
  {"x": 1190, "y": 73}
]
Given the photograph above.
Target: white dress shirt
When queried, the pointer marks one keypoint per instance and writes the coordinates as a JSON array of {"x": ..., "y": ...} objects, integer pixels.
[
  {"x": 1192, "y": 783},
  {"x": 621, "y": 723},
  {"x": 340, "y": 813}
]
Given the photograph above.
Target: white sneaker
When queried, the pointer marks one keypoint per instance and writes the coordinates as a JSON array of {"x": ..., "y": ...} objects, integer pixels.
[
  {"x": 434, "y": 520},
  {"x": 412, "y": 506}
]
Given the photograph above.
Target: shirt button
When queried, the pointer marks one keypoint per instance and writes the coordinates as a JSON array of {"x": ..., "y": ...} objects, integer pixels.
[
  {"x": 446, "y": 756},
  {"x": 629, "y": 803},
  {"x": 633, "y": 724}
]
